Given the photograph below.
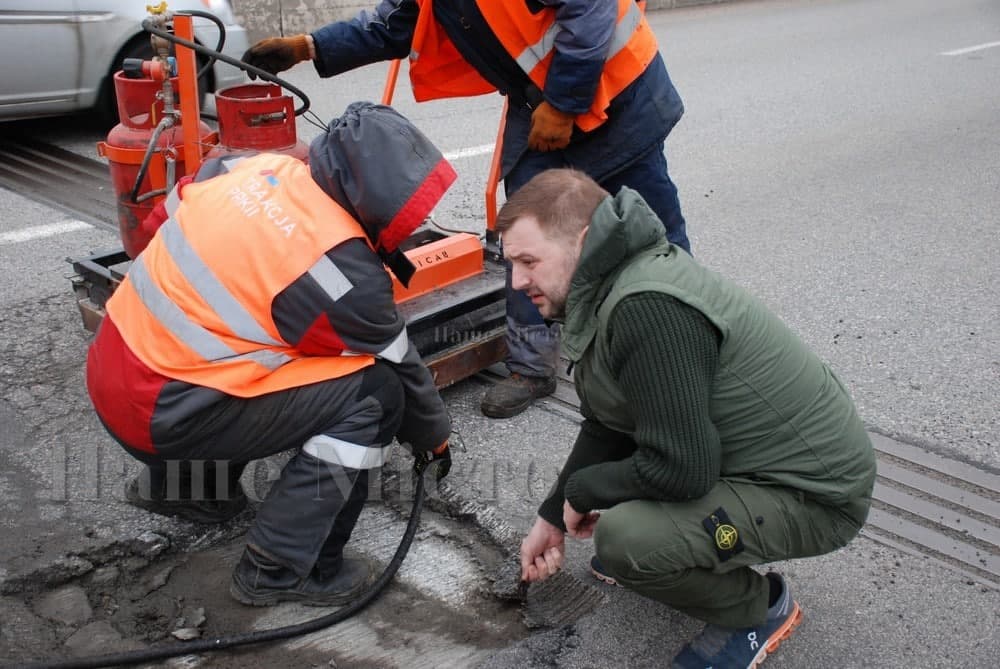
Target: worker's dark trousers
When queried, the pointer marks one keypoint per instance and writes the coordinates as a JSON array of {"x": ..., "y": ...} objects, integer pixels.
[
  {"x": 533, "y": 345},
  {"x": 340, "y": 428},
  {"x": 664, "y": 551},
  {"x": 187, "y": 479}
]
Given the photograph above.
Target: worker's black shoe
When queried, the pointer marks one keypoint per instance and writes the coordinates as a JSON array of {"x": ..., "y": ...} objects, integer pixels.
[
  {"x": 195, "y": 510},
  {"x": 515, "y": 394},
  {"x": 258, "y": 581}
]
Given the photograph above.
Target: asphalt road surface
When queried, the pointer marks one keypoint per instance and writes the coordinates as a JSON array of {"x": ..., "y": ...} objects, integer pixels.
[{"x": 839, "y": 158}]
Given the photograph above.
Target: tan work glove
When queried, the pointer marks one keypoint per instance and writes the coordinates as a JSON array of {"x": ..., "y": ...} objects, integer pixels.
[
  {"x": 277, "y": 54},
  {"x": 550, "y": 128}
]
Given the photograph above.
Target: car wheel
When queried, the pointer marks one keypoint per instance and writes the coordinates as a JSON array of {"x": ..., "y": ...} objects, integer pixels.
[{"x": 106, "y": 108}]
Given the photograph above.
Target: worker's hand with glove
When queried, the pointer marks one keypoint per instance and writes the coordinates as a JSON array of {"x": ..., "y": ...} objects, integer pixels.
[
  {"x": 277, "y": 54},
  {"x": 550, "y": 128},
  {"x": 440, "y": 455}
]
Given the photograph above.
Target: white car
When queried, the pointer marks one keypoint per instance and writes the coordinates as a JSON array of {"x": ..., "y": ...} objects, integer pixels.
[{"x": 58, "y": 56}]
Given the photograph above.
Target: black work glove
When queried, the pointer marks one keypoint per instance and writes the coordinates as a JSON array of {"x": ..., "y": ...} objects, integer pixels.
[
  {"x": 440, "y": 455},
  {"x": 277, "y": 54}
]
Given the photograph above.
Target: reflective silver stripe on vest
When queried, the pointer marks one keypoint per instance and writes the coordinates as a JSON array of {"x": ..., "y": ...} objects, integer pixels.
[
  {"x": 231, "y": 162},
  {"x": 173, "y": 201},
  {"x": 329, "y": 277},
  {"x": 200, "y": 340},
  {"x": 536, "y": 53},
  {"x": 344, "y": 453},
  {"x": 396, "y": 349},
  {"x": 203, "y": 280}
]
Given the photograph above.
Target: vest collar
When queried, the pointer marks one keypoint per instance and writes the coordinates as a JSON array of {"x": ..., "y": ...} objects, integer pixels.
[{"x": 621, "y": 228}]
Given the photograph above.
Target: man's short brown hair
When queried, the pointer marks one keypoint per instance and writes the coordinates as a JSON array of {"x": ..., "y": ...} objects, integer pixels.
[{"x": 562, "y": 201}]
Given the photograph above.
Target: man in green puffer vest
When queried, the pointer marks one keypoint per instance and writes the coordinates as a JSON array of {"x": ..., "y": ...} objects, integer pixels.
[{"x": 713, "y": 439}]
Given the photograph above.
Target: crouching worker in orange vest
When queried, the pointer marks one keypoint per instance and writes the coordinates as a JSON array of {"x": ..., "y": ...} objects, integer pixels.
[{"x": 260, "y": 319}]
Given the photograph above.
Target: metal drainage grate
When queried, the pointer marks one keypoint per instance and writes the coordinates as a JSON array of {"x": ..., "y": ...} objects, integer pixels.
[{"x": 59, "y": 178}]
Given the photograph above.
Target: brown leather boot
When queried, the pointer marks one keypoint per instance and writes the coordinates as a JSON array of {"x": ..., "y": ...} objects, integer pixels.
[{"x": 515, "y": 394}]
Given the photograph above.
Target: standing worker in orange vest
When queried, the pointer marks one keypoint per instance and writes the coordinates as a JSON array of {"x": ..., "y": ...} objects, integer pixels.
[
  {"x": 261, "y": 319},
  {"x": 586, "y": 88}
]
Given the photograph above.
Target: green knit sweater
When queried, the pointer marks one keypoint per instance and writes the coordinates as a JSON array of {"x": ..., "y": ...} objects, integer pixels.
[{"x": 684, "y": 356}]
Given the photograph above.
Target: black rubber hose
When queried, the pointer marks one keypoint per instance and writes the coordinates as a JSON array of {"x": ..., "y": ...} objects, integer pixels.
[
  {"x": 246, "y": 67},
  {"x": 212, "y": 55},
  {"x": 262, "y": 636},
  {"x": 222, "y": 37},
  {"x": 140, "y": 175}
]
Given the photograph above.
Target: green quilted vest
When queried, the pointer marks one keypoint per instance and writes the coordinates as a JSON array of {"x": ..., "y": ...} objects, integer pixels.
[{"x": 782, "y": 415}]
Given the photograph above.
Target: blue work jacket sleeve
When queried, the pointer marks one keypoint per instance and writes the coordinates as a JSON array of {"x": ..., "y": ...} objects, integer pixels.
[
  {"x": 384, "y": 33},
  {"x": 585, "y": 28}
]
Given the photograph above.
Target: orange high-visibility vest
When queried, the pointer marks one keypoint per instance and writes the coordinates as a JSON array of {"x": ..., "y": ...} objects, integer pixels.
[
  {"x": 437, "y": 70},
  {"x": 196, "y": 303}
]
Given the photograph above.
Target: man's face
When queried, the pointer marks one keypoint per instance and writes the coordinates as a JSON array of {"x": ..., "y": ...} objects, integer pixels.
[{"x": 541, "y": 266}]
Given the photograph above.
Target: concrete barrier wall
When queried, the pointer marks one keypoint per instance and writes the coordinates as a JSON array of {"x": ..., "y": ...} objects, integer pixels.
[{"x": 268, "y": 18}]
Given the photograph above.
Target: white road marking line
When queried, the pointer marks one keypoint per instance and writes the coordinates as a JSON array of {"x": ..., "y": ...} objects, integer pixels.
[
  {"x": 39, "y": 231},
  {"x": 970, "y": 49},
  {"x": 469, "y": 152}
]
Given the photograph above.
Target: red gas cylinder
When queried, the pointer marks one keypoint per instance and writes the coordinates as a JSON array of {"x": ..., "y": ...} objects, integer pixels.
[
  {"x": 255, "y": 118},
  {"x": 141, "y": 110}
]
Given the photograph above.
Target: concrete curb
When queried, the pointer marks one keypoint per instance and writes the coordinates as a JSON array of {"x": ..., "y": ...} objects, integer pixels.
[{"x": 269, "y": 18}]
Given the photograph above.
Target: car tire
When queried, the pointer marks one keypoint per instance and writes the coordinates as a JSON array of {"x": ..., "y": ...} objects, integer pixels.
[{"x": 106, "y": 108}]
